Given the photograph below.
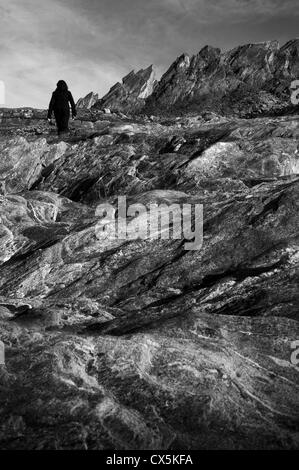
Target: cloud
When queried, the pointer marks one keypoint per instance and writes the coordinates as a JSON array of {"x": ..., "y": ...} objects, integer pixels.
[
  {"x": 41, "y": 45},
  {"x": 92, "y": 44},
  {"x": 234, "y": 10}
]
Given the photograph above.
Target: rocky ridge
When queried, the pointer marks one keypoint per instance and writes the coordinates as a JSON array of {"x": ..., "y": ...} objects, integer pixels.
[
  {"x": 131, "y": 94},
  {"x": 247, "y": 81}
]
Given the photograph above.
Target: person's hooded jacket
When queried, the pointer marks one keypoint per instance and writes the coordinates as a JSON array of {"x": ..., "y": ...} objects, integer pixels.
[{"x": 61, "y": 99}]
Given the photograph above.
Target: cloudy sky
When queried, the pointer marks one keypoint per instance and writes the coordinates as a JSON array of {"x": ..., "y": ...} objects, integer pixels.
[{"x": 93, "y": 43}]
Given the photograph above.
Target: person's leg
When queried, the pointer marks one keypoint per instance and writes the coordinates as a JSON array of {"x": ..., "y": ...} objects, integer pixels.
[
  {"x": 65, "y": 116},
  {"x": 59, "y": 121}
]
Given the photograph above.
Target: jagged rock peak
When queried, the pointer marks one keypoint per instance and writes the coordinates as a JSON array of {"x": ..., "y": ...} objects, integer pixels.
[
  {"x": 131, "y": 93},
  {"x": 88, "y": 101},
  {"x": 209, "y": 51},
  {"x": 181, "y": 63},
  {"x": 140, "y": 82}
]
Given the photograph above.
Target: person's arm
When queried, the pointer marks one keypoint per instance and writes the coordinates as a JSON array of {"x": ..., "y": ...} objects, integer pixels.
[
  {"x": 73, "y": 106},
  {"x": 51, "y": 106}
]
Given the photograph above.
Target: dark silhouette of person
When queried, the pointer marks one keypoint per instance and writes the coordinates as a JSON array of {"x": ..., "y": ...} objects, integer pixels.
[{"x": 60, "y": 105}]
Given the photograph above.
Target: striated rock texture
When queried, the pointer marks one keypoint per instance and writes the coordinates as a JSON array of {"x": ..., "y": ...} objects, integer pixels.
[
  {"x": 88, "y": 101},
  {"x": 115, "y": 343},
  {"x": 140, "y": 344},
  {"x": 130, "y": 95}
]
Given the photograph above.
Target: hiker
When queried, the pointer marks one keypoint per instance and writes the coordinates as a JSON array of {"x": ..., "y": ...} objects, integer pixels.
[{"x": 60, "y": 104}]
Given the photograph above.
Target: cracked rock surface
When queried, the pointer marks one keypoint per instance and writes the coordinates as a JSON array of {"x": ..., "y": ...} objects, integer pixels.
[{"x": 141, "y": 344}]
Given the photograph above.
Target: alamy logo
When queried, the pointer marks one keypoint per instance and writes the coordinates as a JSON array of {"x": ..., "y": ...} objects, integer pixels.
[
  {"x": 2, "y": 92},
  {"x": 295, "y": 93},
  {"x": 2, "y": 353},
  {"x": 158, "y": 221}
]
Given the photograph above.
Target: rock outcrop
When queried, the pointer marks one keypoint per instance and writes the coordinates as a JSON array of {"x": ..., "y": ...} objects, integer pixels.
[
  {"x": 88, "y": 101},
  {"x": 130, "y": 95},
  {"x": 246, "y": 81},
  {"x": 250, "y": 79}
]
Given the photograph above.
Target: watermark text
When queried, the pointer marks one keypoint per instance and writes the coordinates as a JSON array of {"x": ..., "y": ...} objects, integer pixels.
[{"x": 158, "y": 221}]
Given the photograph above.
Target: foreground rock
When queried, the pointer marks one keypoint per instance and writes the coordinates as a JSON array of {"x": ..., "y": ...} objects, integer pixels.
[
  {"x": 124, "y": 157},
  {"x": 200, "y": 382},
  {"x": 141, "y": 344}
]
